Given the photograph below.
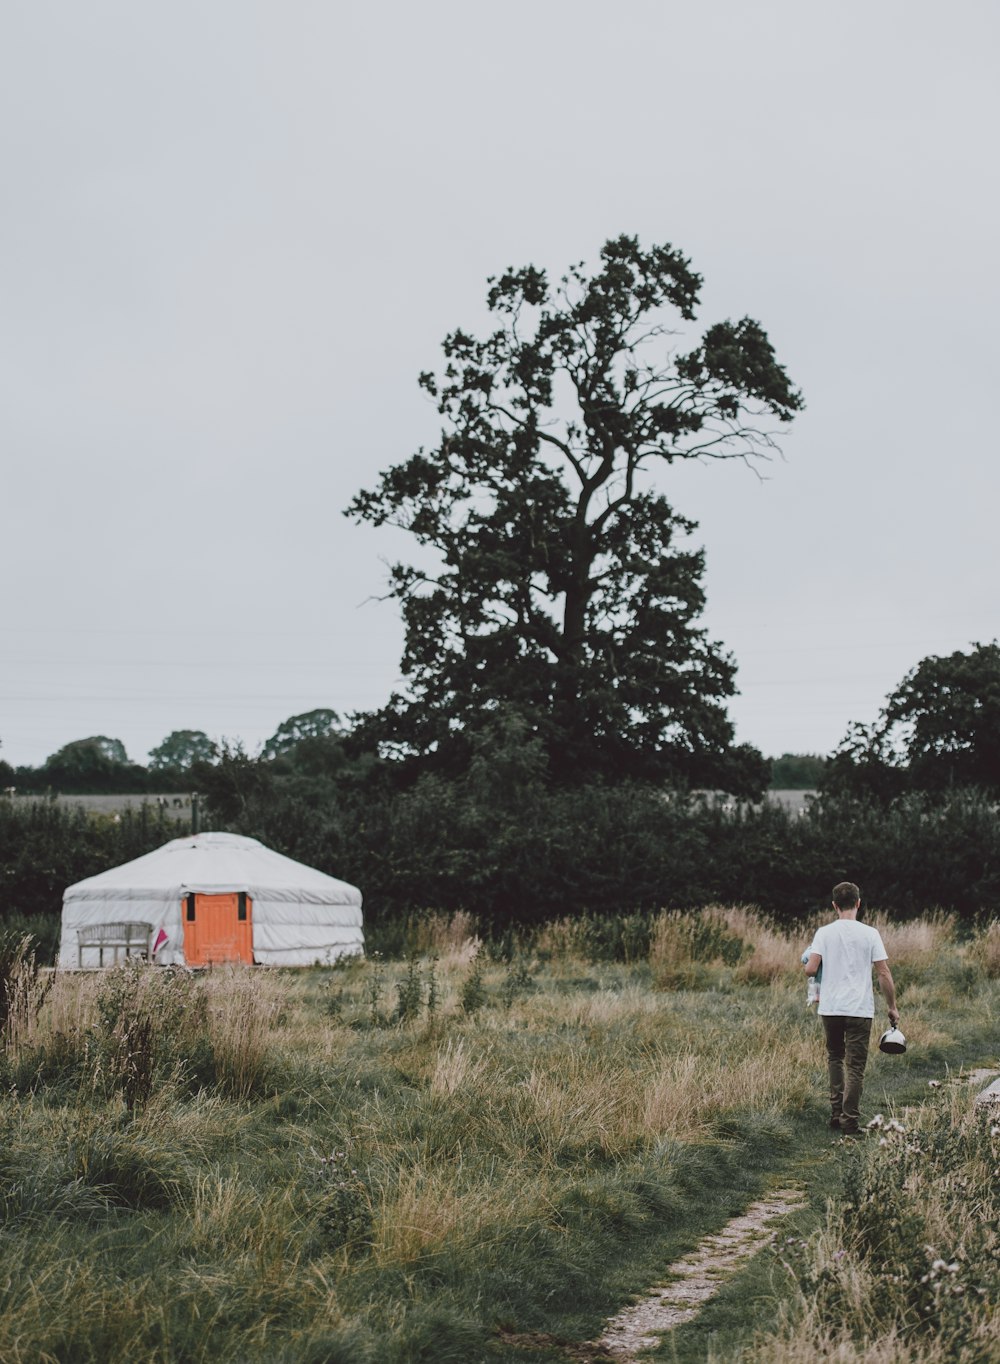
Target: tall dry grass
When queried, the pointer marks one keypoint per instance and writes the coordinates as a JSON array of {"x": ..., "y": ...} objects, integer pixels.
[
  {"x": 244, "y": 1007},
  {"x": 23, "y": 992},
  {"x": 985, "y": 949},
  {"x": 771, "y": 953},
  {"x": 683, "y": 946},
  {"x": 435, "y": 933},
  {"x": 670, "y": 956},
  {"x": 418, "y": 1211},
  {"x": 456, "y": 1067},
  {"x": 916, "y": 943}
]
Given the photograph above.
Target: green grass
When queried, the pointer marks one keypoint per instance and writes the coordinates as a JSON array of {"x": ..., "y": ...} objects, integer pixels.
[
  {"x": 739, "y": 1322},
  {"x": 320, "y": 1166}
]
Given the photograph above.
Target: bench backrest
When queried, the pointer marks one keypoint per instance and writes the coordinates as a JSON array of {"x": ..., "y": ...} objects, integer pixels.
[{"x": 111, "y": 933}]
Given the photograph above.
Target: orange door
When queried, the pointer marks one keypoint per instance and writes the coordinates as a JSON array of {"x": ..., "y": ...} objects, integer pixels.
[{"x": 217, "y": 928}]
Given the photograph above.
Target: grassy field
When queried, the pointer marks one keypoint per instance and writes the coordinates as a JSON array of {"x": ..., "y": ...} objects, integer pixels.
[
  {"x": 455, "y": 1158},
  {"x": 175, "y": 806},
  {"x": 178, "y": 806}
]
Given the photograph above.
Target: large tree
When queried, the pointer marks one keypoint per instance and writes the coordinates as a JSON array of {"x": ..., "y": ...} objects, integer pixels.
[
  {"x": 181, "y": 749},
  {"x": 938, "y": 730},
  {"x": 94, "y": 764},
  {"x": 565, "y": 589},
  {"x": 297, "y": 729}
]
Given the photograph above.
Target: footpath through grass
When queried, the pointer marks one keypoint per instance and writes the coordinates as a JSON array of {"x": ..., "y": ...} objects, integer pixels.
[
  {"x": 766, "y": 1312},
  {"x": 446, "y": 1159}
]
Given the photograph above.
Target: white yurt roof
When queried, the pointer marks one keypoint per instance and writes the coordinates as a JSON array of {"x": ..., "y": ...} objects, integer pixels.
[
  {"x": 300, "y": 915},
  {"x": 213, "y": 863}
]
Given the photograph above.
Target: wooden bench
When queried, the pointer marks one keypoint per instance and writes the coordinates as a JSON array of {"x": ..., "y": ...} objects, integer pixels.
[{"x": 134, "y": 939}]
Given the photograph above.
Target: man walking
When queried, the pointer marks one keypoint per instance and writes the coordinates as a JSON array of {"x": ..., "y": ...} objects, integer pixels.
[{"x": 847, "y": 951}]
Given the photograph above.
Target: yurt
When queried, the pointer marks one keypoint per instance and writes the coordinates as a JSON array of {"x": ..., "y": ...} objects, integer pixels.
[{"x": 206, "y": 899}]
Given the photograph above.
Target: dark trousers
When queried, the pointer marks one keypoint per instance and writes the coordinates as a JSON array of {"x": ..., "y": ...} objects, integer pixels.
[{"x": 847, "y": 1053}]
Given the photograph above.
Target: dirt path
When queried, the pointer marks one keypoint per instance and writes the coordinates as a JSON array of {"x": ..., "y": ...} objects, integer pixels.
[
  {"x": 989, "y": 1095},
  {"x": 695, "y": 1279},
  {"x": 699, "y": 1276}
]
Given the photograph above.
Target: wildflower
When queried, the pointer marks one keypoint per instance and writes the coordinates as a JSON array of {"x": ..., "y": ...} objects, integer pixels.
[
  {"x": 839, "y": 1255},
  {"x": 894, "y": 1126},
  {"x": 883, "y": 1141},
  {"x": 877, "y": 1120},
  {"x": 995, "y": 1130},
  {"x": 933, "y": 1084}
]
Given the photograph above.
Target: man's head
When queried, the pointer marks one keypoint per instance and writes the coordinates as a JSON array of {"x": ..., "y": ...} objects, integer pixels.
[{"x": 846, "y": 896}]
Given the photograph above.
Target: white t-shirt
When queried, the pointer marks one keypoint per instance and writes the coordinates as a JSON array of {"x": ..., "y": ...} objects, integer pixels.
[{"x": 849, "y": 951}]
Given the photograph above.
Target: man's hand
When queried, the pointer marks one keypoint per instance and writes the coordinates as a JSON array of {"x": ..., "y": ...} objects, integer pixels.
[{"x": 893, "y": 1016}]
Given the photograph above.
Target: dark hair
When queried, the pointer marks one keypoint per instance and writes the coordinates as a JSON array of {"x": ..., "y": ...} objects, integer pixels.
[{"x": 846, "y": 895}]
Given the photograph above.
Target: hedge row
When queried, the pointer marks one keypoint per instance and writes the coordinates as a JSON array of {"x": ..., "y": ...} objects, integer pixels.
[{"x": 548, "y": 853}]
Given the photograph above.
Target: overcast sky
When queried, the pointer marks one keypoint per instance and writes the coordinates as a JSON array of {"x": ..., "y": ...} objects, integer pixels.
[{"x": 233, "y": 233}]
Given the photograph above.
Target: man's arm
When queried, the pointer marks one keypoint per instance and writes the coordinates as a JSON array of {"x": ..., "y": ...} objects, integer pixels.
[
  {"x": 814, "y": 963},
  {"x": 888, "y": 990}
]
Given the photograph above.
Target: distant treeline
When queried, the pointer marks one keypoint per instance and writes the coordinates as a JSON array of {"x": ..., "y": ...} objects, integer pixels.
[
  {"x": 99, "y": 765},
  {"x": 98, "y": 778},
  {"x": 522, "y": 856},
  {"x": 86, "y": 767}
]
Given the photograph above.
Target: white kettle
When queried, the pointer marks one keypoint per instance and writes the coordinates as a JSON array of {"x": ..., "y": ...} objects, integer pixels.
[{"x": 892, "y": 1041}]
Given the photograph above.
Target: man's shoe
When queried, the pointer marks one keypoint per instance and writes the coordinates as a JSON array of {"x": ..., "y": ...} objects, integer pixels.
[
  {"x": 835, "y": 1124},
  {"x": 852, "y": 1131}
]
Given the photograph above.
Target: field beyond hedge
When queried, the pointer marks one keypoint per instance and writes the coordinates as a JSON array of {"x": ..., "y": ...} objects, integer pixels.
[{"x": 461, "y": 1156}]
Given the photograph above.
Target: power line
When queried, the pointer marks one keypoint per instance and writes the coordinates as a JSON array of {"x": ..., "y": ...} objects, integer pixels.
[{"x": 310, "y": 631}]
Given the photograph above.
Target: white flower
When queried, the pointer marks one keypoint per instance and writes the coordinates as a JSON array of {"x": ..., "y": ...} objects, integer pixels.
[
  {"x": 877, "y": 1120},
  {"x": 933, "y": 1084}
]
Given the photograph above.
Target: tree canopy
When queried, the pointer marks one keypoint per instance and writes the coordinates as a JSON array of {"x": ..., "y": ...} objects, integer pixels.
[
  {"x": 797, "y": 771},
  {"x": 311, "y": 724},
  {"x": 181, "y": 749},
  {"x": 84, "y": 753},
  {"x": 938, "y": 730},
  {"x": 94, "y": 764},
  {"x": 566, "y": 590}
]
